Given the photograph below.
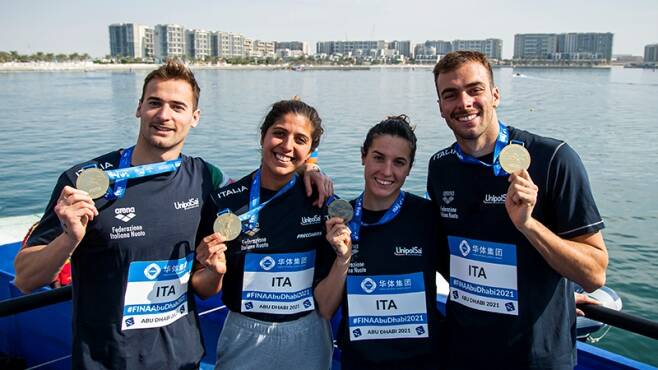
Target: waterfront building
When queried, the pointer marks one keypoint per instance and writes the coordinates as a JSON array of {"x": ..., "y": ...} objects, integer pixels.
[
  {"x": 535, "y": 45},
  {"x": 197, "y": 43},
  {"x": 589, "y": 45},
  {"x": 168, "y": 41},
  {"x": 441, "y": 47},
  {"x": 350, "y": 47},
  {"x": 226, "y": 45},
  {"x": 492, "y": 48},
  {"x": 402, "y": 47},
  {"x": 131, "y": 40},
  {"x": 292, "y": 46},
  {"x": 563, "y": 46},
  {"x": 651, "y": 53},
  {"x": 262, "y": 49}
]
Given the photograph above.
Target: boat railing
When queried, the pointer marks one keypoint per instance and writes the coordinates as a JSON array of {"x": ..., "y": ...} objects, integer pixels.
[{"x": 622, "y": 320}]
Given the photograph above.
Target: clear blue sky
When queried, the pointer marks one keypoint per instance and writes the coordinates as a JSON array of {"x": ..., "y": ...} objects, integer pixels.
[{"x": 28, "y": 26}]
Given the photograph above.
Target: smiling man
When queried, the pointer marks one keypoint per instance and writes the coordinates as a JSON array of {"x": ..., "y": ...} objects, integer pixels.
[
  {"x": 517, "y": 240},
  {"x": 132, "y": 249}
]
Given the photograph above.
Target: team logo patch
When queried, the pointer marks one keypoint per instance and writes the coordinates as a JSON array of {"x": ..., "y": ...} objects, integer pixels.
[
  {"x": 152, "y": 271},
  {"x": 464, "y": 248},
  {"x": 368, "y": 285},
  {"x": 267, "y": 263}
]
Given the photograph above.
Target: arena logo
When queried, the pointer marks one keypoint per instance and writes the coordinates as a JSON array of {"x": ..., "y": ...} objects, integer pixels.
[
  {"x": 125, "y": 214},
  {"x": 448, "y": 196},
  {"x": 187, "y": 205},
  {"x": 494, "y": 199}
]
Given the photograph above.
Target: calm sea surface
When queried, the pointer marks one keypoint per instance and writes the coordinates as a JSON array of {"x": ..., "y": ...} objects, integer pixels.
[{"x": 51, "y": 121}]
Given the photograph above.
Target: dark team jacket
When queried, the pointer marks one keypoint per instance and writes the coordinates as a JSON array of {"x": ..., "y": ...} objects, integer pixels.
[
  {"x": 471, "y": 204},
  {"x": 158, "y": 219},
  {"x": 288, "y": 224},
  {"x": 411, "y": 242}
]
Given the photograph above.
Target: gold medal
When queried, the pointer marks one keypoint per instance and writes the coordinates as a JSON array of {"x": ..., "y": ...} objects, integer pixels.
[
  {"x": 94, "y": 181},
  {"x": 514, "y": 158},
  {"x": 341, "y": 208},
  {"x": 227, "y": 224}
]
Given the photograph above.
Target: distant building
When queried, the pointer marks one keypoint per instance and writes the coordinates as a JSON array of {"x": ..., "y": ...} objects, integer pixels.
[
  {"x": 492, "y": 48},
  {"x": 563, "y": 46},
  {"x": 441, "y": 47},
  {"x": 579, "y": 46},
  {"x": 535, "y": 46},
  {"x": 168, "y": 41},
  {"x": 262, "y": 49},
  {"x": 402, "y": 47},
  {"x": 131, "y": 40},
  {"x": 350, "y": 47},
  {"x": 651, "y": 53},
  {"x": 197, "y": 43},
  {"x": 226, "y": 45},
  {"x": 292, "y": 46}
]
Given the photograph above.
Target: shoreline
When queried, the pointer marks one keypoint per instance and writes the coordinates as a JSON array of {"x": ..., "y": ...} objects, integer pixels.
[{"x": 94, "y": 67}]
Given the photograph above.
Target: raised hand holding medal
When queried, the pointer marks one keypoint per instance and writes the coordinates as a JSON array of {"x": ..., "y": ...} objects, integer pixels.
[
  {"x": 228, "y": 224},
  {"x": 341, "y": 208}
]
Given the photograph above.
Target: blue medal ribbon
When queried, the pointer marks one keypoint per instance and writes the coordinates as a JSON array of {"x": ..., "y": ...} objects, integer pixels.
[
  {"x": 356, "y": 223},
  {"x": 121, "y": 175},
  {"x": 501, "y": 142},
  {"x": 255, "y": 205}
]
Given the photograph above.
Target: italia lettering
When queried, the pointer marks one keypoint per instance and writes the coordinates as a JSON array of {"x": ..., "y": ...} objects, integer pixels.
[
  {"x": 281, "y": 281},
  {"x": 386, "y": 304},
  {"x": 476, "y": 271},
  {"x": 164, "y": 291},
  {"x": 230, "y": 192}
]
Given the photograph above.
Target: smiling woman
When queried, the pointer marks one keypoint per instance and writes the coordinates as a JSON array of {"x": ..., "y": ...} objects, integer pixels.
[{"x": 268, "y": 272}]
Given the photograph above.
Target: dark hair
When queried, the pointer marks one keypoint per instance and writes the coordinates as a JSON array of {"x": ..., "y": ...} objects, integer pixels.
[
  {"x": 295, "y": 106},
  {"x": 395, "y": 126},
  {"x": 456, "y": 59},
  {"x": 174, "y": 70}
]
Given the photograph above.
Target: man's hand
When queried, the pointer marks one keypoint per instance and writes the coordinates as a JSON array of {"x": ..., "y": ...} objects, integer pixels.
[
  {"x": 583, "y": 299},
  {"x": 75, "y": 209},
  {"x": 210, "y": 253},
  {"x": 339, "y": 236},
  {"x": 324, "y": 184},
  {"x": 521, "y": 199}
]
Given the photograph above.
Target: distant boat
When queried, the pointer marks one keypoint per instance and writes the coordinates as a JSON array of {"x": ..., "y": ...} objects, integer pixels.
[{"x": 297, "y": 68}]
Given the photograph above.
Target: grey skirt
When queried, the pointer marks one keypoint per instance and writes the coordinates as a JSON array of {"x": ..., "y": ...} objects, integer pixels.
[{"x": 247, "y": 344}]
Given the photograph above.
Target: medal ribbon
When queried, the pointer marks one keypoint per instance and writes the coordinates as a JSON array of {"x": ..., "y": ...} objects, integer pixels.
[
  {"x": 254, "y": 200},
  {"x": 356, "y": 223},
  {"x": 501, "y": 142},
  {"x": 121, "y": 175}
]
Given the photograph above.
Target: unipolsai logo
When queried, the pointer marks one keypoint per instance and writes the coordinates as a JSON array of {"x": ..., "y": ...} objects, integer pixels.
[
  {"x": 494, "y": 199},
  {"x": 188, "y": 204}
]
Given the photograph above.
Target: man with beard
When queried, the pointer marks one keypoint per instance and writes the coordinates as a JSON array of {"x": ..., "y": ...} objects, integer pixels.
[{"x": 517, "y": 240}]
